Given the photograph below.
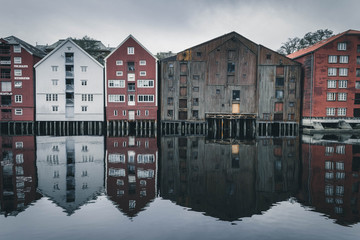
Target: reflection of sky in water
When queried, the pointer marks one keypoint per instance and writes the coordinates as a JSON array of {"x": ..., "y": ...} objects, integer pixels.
[{"x": 165, "y": 220}]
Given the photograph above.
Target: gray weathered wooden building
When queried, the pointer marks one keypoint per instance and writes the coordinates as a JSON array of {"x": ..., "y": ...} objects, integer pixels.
[{"x": 230, "y": 83}]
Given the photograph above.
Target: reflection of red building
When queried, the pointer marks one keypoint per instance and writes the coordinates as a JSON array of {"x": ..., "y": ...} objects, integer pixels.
[
  {"x": 330, "y": 180},
  {"x": 17, "y": 173},
  {"x": 131, "y": 172}
]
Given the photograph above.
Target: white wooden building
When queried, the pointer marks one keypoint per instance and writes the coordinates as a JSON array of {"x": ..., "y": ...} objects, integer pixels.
[{"x": 69, "y": 85}]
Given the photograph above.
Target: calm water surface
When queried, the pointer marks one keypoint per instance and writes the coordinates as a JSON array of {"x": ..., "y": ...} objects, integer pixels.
[{"x": 95, "y": 187}]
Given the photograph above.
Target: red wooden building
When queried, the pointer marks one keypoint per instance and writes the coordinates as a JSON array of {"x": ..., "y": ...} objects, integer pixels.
[
  {"x": 331, "y": 88},
  {"x": 131, "y": 83},
  {"x": 17, "y": 59}
]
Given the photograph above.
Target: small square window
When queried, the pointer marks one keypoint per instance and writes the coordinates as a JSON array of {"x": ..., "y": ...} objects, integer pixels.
[
  {"x": 18, "y": 72},
  {"x": 279, "y": 94},
  {"x": 54, "y": 68},
  {"x": 119, "y": 73},
  {"x": 18, "y": 84},
  {"x": 131, "y": 50},
  {"x": 217, "y": 91},
  {"x": 54, "y": 82},
  {"x": 55, "y": 108},
  {"x": 84, "y": 108},
  {"x": 19, "y": 144},
  {"x": 196, "y": 89},
  {"x": 17, "y": 60},
  {"x": 18, "y": 111},
  {"x": 18, "y": 98},
  {"x": 332, "y": 59},
  {"x": 142, "y": 73},
  {"x": 119, "y": 62},
  {"x": 142, "y": 62},
  {"x": 83, "y": 68},
  {"x": 17, "y": 49},
  {"x": 83, "y": 82},
  {"x": 342, "y": 46}
]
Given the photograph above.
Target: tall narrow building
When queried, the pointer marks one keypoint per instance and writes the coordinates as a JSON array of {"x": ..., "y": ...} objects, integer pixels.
[
  {"x": 131, "y": 84},
  {"x": 69, "y": 86},
  {"x": 331, "y": 89},
  {"x": 17, "y": 59}
]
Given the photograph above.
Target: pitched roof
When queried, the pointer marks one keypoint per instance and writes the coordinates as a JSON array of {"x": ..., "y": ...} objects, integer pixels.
[
  {"x": 28, "y": 47},
  {"x": 320, "y": 44}
]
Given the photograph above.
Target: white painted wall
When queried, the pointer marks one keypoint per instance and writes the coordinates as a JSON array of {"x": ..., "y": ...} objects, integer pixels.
[{"x": 93, "y": 75}]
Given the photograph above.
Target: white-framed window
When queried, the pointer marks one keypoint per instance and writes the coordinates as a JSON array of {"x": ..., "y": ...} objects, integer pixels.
[
  {"x": 146, "y": 112},
  {"x": 119, "y": 73},
  {"x": 119, "y": 62},
  {"x": 145, "y": 83},
  {"x": 116, "y": 112},
  {"x": 344, "y": 59},
  {"x": 83, "y": 68},
  {"x": 17, "y": 72},
  {"x": 84, "y": 108},
  {"x": 330, "y": 111},
  {"x": 341, "y": 112},
  {"x": 343, "y": 71},
  {"x": 332, "y": 71},
  {"x": 116, "y": 158},
  {"x": 145, "y": 98},
  {"x": 332, "y": 59},
  {"x": 17, "y": 60},
  {"x": 17, "y": 49},
  {"x": 142, "y": 62},
  {"x": 84, "y": 82},
  {"x": 54, "y": 82},
  {"x": 20, "y": 158},
  {"x": 18, "y": 84},
  {"x": 5, "y": 86},
  {"x": 341, "y": 46},
  {"x": 55, "y": 108},
  {"x": 18, "y": 111},
  {"x": 116, "y": 83},
  {"x": 131, "y": 50},
  {"x": 124, "y": 112},
  {"x": 116, "y": 98},
  {"x": 131, "y": 77},
  {"x": 331, "y": 96},
  {"x": 138, "y": 112},
  {"x": 328, "y": 164},
  {"x": 331, "y": 83},
  {"x": 342, "y": 96},
  {"x": 54, "y": 68},
  {"x": 87, "y": 97},
  {"x": 145, "y": 158},
  {"x": 19, "y": 144},
  {"x": 343, "y": 83},
  {"x": 18, "y": 98},
  {"x": 142, "y": 73},
  {"x": 340, "y": 149}
]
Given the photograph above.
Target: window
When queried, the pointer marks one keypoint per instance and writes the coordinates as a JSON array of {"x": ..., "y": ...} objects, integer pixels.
[
  {"x": 279, "y": 106},
  {"x": 340, "y": 149},
  {"x": 358, "y": 48},
  {"x": 131, "y": 66},
  {"x": 54, "y": 97},
  {"x": 196, "y": 89},
  {"x": 146, "y": 112},
  {"x": 17, "y": 60},
  {"x": 87, "y": 97},
  {"x": 341, "y": 46},
  {"x": 83, "y": 82},
  {"x": 170, "y": 101},
  {"x": 19, "y": 145},
  {"x": 119, "y": 73},
  {"x": 116, "y": 98},
  {"x": 357, "y": 98},
  {"x": 358, "y": 60},
  {"x": 18, "y": 84},
  {"x": 342, "y": 96},
  {"x": 145, "y": 98},
  {"x": 291, "y": 104},
  {"x": 330, "y": 111},
  {"x": 231, "y": 67},
  {"x": 116, "y": 83},
  {"x": 329, "y": 165},
  {"x": 138, "y": 112},
  {"x": 195, "y": 113},
  {"x": 331, "y": 71},
  {"x": 343, "y": 83},
  {"x": 84, "y": 108},
  {"x": 18, "y": 98},
  {"x": 17, "y": 49},
  {"x": 54, "y": 68},
  {"x": 279, "y": 94},
  {"x": 358, "y": 72},
  {"x": 119, "y": 62},
  {"x": 83, "y": 68},
  {"x": 142, "y": 73},
  {"x": 54, "y": 82},
  {"x": 279, "y": 82},
  {"x": 17, "y": 72},
  {"x": 170, "y": 113},
  {"x": 145, "y": 83},
  {"x": 142, "y": 62},
  {"x": 357, "y": 84},
  {"x": 131, "y": 50},
  {"x": 332, "y": 59},
  {"x": 341, "y": 112},
  {"x": 331, "y": 96},
  {"x": 236, "y": 95},
  {"x": 5, "y": 86},
  {"x": 331, "y": 83},
  {"x": 116, "y": 112},
  {"x": 343, "y": 71},
  {"x": 131, "y": 77},
  {"x": 344, "y": 59},
  {"x": 195, "y": 102},
  {"x": 217, "y": 91},
  {"x": 131, "y": 87},
  {"x": 18, "y": 111},
  {"x": 55, "y": 108}
]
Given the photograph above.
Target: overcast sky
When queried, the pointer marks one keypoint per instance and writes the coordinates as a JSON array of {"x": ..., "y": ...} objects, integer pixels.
[{"x": 167, "y": 25}]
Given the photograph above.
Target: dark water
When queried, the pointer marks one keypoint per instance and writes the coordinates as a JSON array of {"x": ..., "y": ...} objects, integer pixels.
[{"x": 94, "y": 187}]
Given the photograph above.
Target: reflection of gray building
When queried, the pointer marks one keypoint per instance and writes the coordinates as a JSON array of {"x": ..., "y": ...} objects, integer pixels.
[
  {"x": 228, "y": 181},
  {"x": 70, "y": 169}
]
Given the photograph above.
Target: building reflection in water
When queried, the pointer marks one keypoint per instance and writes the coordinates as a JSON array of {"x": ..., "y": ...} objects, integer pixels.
[
  {"x": 131, "y": 174},
  {"x": 228, "y": 180},
  {"x": 330, "y": 180},
  {"x": 17, "y": 174},
  {"x": 70, "y": 169}
]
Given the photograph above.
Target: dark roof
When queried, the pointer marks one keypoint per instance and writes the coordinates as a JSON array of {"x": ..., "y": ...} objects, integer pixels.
[
  {"x": 30, "y": 48},
  {"x": 320, "y": 44}
]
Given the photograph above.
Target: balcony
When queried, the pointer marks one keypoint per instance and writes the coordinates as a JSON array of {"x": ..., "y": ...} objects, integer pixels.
[
  {"x": 69, "y": 60},
  {"x": 69, "y": 102},
  {"x": 69, "y": 87},
  {"x": 69, "y": 74}
]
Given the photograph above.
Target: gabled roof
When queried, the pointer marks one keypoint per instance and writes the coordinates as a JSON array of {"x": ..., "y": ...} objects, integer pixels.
[
  {"x": 28, "y": 47},
  {"x": 130, "y": 36},
  {"x": 320, "y": 44},
  {"x": 62, "y": 44}
]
